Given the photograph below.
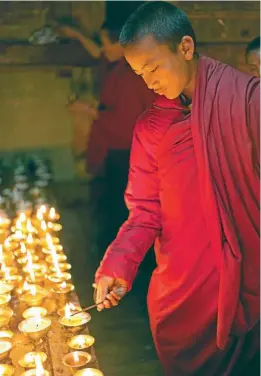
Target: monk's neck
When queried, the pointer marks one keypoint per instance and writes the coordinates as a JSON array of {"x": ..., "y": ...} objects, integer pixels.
[{"x": 189, "y": 90}]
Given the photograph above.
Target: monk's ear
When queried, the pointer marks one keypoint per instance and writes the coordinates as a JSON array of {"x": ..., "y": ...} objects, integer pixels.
[{"x": 187, "y": 47}]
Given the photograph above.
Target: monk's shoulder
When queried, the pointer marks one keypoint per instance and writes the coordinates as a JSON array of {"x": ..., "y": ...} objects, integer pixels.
[{"x": 234, "y": 82}]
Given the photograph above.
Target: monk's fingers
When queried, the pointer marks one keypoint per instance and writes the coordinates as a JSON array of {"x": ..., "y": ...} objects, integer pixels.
[
  {"x": 102, "y": 291},
  {"x": 114, "y": 294},
  {"x": 114, "y": 302},
  {"x": 100, "y": 307}
]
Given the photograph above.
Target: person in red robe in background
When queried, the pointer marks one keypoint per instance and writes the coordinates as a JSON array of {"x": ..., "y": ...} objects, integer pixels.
[
  {"x": 124, "y": 97},
  {"x": 253, "y": 56},
  {"x": 193, "y": 190}
]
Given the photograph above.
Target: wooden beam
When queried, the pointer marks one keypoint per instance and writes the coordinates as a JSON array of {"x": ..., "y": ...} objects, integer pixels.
[{"x": 66, "y": 53}]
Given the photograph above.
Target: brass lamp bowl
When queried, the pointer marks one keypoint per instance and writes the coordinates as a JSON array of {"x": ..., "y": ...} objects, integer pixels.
[
  {"x": 77, "y": 323},
  {"x": 33, "y": 311},
  {"x": 81, "y": 342},
  {"x": 33, "y": 330},
  {"x": 5, "y": 348},
  {"x": 5, "y": 316},
  {"x": 60, "y": 257},
  {"x": 10, "y": 270},
  {"x": 64, "y": 267},
  {"x": 6, "y": 370},
  {"x": 28, "y": 360},
  {"x": 74, "y": 366},
  {"x": 89, "y": 372},
  {"x": 58, "y": 249},
  {"x": 4, "y": 300},
  {"x": 59, "y": 278},
  {"x": 33, "y": 372}
]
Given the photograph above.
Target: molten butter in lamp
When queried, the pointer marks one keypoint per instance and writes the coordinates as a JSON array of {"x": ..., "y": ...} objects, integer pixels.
[
  {"x": 6, "y": 370},
  {"x": 76, "y": 360},
  {"x": 81, "y": 342},
  {"x": 5, "y": 347},
  {"x": 5, "y": 316},
  {"x": 89, "y": 372}
]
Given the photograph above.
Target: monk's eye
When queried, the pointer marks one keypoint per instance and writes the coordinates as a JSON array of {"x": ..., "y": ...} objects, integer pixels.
[{"x": 154, "y": 70}]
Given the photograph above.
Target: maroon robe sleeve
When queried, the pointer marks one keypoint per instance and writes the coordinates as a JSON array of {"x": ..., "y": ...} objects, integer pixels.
[
  {"x": 253, "y": 122},
  {"x": 139, "y": 232}
]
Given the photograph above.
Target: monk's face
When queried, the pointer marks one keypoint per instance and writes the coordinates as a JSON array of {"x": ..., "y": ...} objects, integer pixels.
[
  {"x": 253, "y": 61},
  {"x": 166, "y": 72},
  {"x": 111, "y": 50}
]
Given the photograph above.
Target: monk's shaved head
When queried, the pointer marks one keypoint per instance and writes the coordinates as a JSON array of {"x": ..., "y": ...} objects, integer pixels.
[{"x": 163, "y": 21}]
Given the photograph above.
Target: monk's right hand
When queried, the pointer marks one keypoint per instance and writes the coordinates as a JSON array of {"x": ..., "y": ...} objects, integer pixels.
[{"x": 109, "y": 291}]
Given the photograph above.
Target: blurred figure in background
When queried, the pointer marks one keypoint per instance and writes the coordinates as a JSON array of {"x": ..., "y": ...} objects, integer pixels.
[
  {"x": 124, "y": 97},
  {"x": 253, "y": 57}
]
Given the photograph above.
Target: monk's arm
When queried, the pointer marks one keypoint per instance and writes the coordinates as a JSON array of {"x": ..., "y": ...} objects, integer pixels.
[
  {"x": 139, "y": 232},
  {"x": 253, "y": 120}
]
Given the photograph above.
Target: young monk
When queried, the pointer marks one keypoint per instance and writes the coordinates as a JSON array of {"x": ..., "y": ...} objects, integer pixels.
[
  {"x": 193, "y": 190},
  {"x": 253, "y": 57}
]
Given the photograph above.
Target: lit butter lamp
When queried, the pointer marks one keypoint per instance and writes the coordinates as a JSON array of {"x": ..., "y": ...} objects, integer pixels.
[
  {"x": 35, "y": 327},
  {"x": 6, "y": 334},
  {"x": 5, "y": 316},
  {"x": 30, "y": 359},
  {"x": 76, "y": 360},
  {"x": 4, "y": 300},
  {"x": 49, "y": 240},
  {"x": 69, "y": 309},
  {"x": 59, "y": 278},
  {"x": 63, "y": 267},
  {"x": 5, "y": 348},
  {"x": 34, "y": 297},
  {"x": 4, "y": 222},
  {"x": 51, "y": 259},
  {"x": 34, "y": 311},
  {"x": 7, "y": 269},
  {"x": 12, "y": 279},
  {"x": 76, "y": 323},
  {"x": 63, "y": 288},
  {"x": 38, "y": 370},
  {"x": 52, "y": 216},
  {"x": 89, "y": 372},
  {"x": 6, "y": 257},
  {"x": 81, "y": 342},
  {"x": 57, "y": 247},
  {"x": 6, "y": 370},
  {"x": 55, "y": 227}
]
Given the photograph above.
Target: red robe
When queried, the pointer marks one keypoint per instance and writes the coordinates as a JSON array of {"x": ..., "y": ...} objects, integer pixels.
[
  {"x": 194, "y": 190},
  {"x": 124, "y": 97}
]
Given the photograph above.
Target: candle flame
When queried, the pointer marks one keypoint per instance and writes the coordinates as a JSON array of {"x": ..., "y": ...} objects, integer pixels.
[
  {"x": 3, "y": 267},
  {"x": 52, "y": 214},
  {"x": 7, "y": 243},
  {"x": 18, "y": 234},
  {"x": 29, "y": 226},
  {"x": 49, "y": 240},
  {"x": 7, "y": 274},
  {"x": 76, "y": 357},
  {"x": 32, "y": 289},
  {"x": 67, "y": 311},
  {"x": 63, "y": 285},
  {"x": 18, "y": 225},
  {"x": 81, "y": 341},
  {"x": 39, "y": 215},
  {"x": 43, "y": 226},
  {"x": 1, "y": 253},
  {"x": 23, "y": 248},
  {"x": 26, "y": 287},
  {"x": 22, "y": 217},
  {"x": 39, "y": 370},
  {"x": 30, "y": 239}
]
